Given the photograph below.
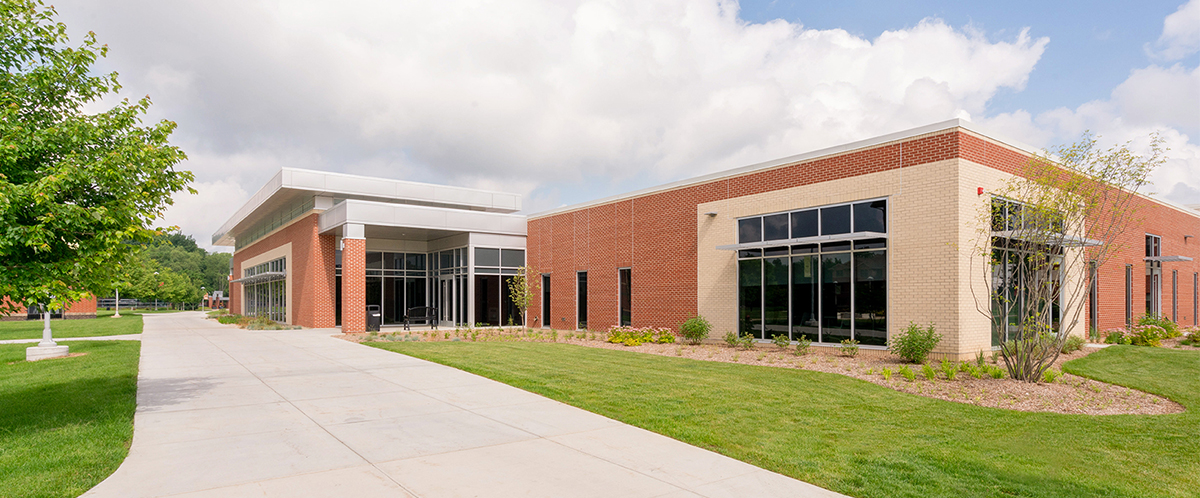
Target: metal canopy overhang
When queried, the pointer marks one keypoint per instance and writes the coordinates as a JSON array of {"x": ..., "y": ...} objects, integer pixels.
[
  {"x": 804, "y": 240},
  {"x": 269, "y": 276},
  {"x": 1056, "y": 239},
  {"x": 1168, "y": 259}
]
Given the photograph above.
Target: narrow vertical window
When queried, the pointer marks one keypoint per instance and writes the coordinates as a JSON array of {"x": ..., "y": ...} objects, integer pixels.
[
  {"x": 546, "y": 301},
  {"x": 625, "y": 295},
  {"x": 1128, "y": 296},
  {"x": 805, "y": 298},
  {"x": 1175, "y": 296},
  {"x": 750, "y": 296},
  {"x": 775, "y": 296},
  {"x": 1196, "y": 298},
  {"x": 1093, "y": 296},
  {"x": 581, "y": 310}
]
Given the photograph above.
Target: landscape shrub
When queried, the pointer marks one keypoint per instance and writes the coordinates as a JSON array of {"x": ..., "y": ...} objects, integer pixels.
[
  {"x": 630, "y": 336},
  {"x": 1147, "y": 335},
  {"x": 1050, "y": 376},
  {"x": 732, "y": 339},
  {"x": 1170, "y": 329},
  {"x": 746, "y": 341},
  {"x": 907, "y": 373},
  {"x": 1191, "y": 337},
  {"x": 950, "y": 369},
  {"x": 695, "y": 329},
  {"x": 1115, "y": 336},
  {"x": 995, "y": 372},
  {"x": 802, "y": 345},
  {"x": 228, "y": 319},
  {"x": 781, "y": 340},
  {"x": 887, "y": 373},
  {"x": 849, "y": 347},
  {"x": 1074, "y": 343},
  {"x": 928, "y": 371},
  {"x": 915, "y": 342}
]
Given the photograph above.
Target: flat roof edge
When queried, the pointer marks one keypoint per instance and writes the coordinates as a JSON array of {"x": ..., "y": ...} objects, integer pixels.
[{"x": 828, "y": 151}]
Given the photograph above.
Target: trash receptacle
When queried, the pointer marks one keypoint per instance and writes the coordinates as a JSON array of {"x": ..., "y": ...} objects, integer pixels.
[{"x": 374, "y": 318}]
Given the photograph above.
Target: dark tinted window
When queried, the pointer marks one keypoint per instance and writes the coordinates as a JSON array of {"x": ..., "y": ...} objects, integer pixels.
[
  {"x": 512, "y": 258},
  {"x": 374, "y": 260},
  {"x": 487, "y": 257},
  {"x": 750, "y": 253},
  {"x": 804, "y": 224},
  {"x": 835, "y": 246},
  {"x": 804, "y": 249},
  {"x": 775, "y": 251},
  {"x": 835, "y": 220},
  {"x": 414, "y": 261},
  {"x": 750, "y": 230},
  {"x": 870, "y": 244},
  {"x": 775, "y": 227},
  {"x": 870, "y": 217},
  {"x": 393, "y": 261}
]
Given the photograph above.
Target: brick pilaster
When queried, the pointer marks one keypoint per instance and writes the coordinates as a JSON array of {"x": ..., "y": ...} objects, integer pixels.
[{"x": 354, "y": 285}]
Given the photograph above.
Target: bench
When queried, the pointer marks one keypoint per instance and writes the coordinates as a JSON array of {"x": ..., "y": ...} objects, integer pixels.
[{"x": 426, "y": 313}]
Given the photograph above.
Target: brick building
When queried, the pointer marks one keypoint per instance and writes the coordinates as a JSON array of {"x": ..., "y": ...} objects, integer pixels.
[
  {"x": 85, "y": 308},
  {"x": 854, "y": 241}
]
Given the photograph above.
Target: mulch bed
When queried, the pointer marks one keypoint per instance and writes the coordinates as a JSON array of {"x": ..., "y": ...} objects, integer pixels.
[{"x": 1069, "y": 394}]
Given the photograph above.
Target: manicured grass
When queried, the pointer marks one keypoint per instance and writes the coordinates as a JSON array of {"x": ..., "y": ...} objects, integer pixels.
[
  {"x": 90, "y": 327},
  {"x": 865, "y": 440},
  {"x": 65, "y": 424}
]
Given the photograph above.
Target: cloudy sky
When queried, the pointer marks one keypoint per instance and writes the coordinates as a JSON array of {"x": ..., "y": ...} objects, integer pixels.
[{"x": 566, "y": 101}]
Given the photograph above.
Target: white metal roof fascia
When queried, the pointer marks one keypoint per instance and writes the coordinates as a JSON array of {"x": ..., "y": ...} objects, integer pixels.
[
  {"x": 1168, "y": 259},
  {"x": 371, "y": 213},
  {"x": 804, "y": 240},
  {"x": 351, "y": 186},
  {"x": 837, "y": 149}
]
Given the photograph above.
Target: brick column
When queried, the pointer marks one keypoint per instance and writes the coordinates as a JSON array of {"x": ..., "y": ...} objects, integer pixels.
[{"x": 354, "y": 285}]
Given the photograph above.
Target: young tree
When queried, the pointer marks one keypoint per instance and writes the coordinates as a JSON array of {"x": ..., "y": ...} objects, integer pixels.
[
  {"x": 78, "y": 191},
  {"x": 1042, "y": 230},
  {"x": 523, "y": 289}
]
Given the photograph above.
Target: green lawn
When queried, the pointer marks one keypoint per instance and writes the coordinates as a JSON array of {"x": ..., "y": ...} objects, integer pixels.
[
  {"x": 93, "y": 327},
  {"x": 65, "y": 424},
  {"x": 861, "y": 439}
]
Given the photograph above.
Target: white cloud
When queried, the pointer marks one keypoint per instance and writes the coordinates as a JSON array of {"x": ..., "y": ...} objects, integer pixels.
[
  {"x": 1181, "y": 33},
  {"x": 552, "y": 99}
]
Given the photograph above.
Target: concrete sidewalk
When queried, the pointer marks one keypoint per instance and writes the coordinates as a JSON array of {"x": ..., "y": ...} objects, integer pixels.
[{"x": 231, "y": 413}]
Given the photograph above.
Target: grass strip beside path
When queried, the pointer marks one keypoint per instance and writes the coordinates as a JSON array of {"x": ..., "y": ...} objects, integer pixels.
[
  {"x": 65, "y": 424},
  {"x": 87, "y": 327},
  {"x": 864, "y": 440}
]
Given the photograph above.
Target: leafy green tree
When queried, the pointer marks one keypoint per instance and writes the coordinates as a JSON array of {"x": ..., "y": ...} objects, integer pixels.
[{"x": 78, "y": 191}]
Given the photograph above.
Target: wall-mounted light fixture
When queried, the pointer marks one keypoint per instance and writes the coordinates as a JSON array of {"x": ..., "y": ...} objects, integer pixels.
[{"x": 711, "y": 214}]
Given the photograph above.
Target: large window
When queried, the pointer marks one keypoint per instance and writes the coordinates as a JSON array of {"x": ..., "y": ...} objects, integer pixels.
[
  {"x": 860, "y": 217},
  {"x": 1153, "y": 276},
  {"x": 625, "y": 296},
  {"x": 1175, "y": 296},
  {"x": 265, "y": 289},
  {"x": 825, "y": 292},
  {"x": 494, "y": 272},
  {"x": 1024, "y": 284}
]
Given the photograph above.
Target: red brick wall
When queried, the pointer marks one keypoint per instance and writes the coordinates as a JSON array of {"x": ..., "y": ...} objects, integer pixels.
[
  {"x": 655, "y": 235},
  {"x": 85, "y": 308},
  {"x": 311, "y": 272}
]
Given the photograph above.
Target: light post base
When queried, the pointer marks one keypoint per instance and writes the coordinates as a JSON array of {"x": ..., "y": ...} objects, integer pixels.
[{"x": 45, "y": 352}]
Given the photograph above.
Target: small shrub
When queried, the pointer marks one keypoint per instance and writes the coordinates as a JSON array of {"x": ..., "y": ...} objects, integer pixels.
[
  {"x": 631, "y": 341},
  {"x": 695, "y": 329},
  {"x": 995, "y": 372},
  {"x": 228, "y": 319},
  {"x": 928, "y": 371},
  {"x": 746, "y": 341},
  {"x": 1192, "y": 338},
  {"x": 907, "y": 373},
  {"x": 732, "y": 339},
  {"x": 979, "y": 360},
  {"x": 1169, "y": 329},
  {"x": 887, "y": 373},
  {"x": 850, "y": 347},
  {"x": 1074, "y": 343},
  {"x": 802, "y": 345},
  {"x": 1147, "y": 335},
  {"x": 1049, "y": 376},
  {"x": 950, "y": 369},
  {"x": 781, "y": 340},
  {"x": 915, "y": 342},
  {"x": 976, "y": 371},
  {"x": 1116, "y": 336}
]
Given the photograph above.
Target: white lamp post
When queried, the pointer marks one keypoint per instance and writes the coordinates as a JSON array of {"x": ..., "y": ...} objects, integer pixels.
[
  {"x": 118, "y": 313},
  {"x": 201, "y": 308}
]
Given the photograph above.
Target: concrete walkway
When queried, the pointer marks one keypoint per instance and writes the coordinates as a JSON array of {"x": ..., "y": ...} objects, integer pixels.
[
  {"x": 125, "y": 337},
  {"x": 224, "y": 412}
]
